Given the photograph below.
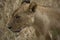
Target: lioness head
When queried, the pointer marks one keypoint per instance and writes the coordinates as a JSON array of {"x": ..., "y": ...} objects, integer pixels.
[{"x": 22, "y": 17}]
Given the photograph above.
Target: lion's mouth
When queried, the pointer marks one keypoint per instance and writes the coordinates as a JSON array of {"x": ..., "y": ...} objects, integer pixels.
[{"x": 18, "y": 30}]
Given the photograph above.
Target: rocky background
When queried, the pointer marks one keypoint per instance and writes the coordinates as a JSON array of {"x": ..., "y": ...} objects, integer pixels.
[{"x": 7, "y": 7}]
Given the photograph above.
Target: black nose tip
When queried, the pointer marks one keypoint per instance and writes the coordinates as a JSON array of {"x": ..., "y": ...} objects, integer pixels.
[{"x": 9, "y": 27}]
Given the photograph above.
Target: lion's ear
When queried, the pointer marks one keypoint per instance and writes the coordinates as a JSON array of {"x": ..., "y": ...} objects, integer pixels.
[
  {"x": 25, "y": 1},
  {"x": 32, "y": 7}
]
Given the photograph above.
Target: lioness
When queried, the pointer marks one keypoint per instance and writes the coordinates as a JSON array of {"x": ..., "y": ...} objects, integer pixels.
[{"x": 43, "y": 19}]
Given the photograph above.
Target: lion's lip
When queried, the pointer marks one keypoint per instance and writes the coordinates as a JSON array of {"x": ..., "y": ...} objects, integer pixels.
[{"x": 17, "y": 31}]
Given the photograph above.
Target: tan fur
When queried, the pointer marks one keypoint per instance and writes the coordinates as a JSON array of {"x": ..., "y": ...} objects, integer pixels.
[
  {"x": 42, "y": 19},
  {"x": 26, "y": 18}
]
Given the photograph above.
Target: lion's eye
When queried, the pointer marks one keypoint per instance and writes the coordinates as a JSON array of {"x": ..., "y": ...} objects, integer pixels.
[{"x": 17, "y": 17}]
